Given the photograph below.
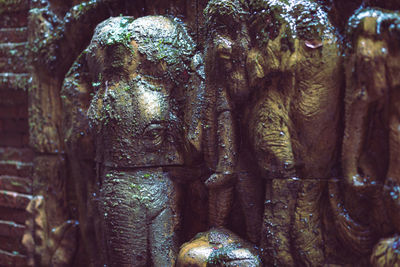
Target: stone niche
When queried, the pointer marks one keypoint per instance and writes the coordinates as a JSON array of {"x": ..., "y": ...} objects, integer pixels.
[{"x": 209, "y": 133}]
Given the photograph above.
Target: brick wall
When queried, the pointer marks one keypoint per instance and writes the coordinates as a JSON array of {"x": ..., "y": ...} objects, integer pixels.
[{"x": 15, "y": 156}]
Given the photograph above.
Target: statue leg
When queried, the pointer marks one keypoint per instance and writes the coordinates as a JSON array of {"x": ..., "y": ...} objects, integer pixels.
[
  {"x": 163, "y": 233},
  {"x": 279, "y": 208},
  {"x": 220, "y": 204},
  {"x": 250, "y": 194},
  {"x": 307, "y": 232},
  {"x": 163, "y": 239},
  {"x": 271, "y": 141},
  {"x": 124, "y": 222}
]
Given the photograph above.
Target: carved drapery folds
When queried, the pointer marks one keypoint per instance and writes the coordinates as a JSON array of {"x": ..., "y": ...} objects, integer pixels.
[{"x": 268, "y": 128}]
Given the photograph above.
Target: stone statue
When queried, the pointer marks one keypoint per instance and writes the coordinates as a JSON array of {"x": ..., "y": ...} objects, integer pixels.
[
  {"x": 371, "y": 135},
  {"x": 226, "y": 147},
  {"x": 141, "y": 71},
  {"x": 295, "y": 67},
  {"x": 282, "y": 132},
  {"x": 218, "y": 247}
]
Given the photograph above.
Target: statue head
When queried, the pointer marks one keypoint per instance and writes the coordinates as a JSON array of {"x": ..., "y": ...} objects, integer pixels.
[
  {"x": 227, "y": 46},
  {"x": 124, "y": 45}
]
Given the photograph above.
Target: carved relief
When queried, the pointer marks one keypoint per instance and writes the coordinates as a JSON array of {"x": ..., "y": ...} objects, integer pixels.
[
  {"x": 218, "y": 247},
  {"x": 269, "y": 120},
  {"x": 140, "y": 71},
  {"x": 226, "y": 148},
  {"x": 369, "y": 152},
  {"x": 294, "y": 125}
]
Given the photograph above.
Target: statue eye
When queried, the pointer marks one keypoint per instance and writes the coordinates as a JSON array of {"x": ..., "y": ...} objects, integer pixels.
[{"x": 154, "y": 135}]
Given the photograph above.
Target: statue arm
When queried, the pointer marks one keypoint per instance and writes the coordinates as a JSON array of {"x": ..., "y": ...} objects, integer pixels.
[{"x": 226, "y": 142}]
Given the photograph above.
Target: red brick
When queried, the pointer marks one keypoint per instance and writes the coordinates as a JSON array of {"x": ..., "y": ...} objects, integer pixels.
[
  {"x": 14, "y": 200},
  {"x": 14, "y": 19},
  {"x": 11, "y": 139},
  {"x": 14, "y": 35},
  {"x": 16, "y": 154},
  {"x": 15, "y": 168},
  {"x": 12, "y": 81},
  {"x": 13, "y": 5},
  {"x": 9, "y": 214},
  {"x": 13, "y": 98},
  {"x": 15, "y": 184},
  {"x": 11, "y": 229},
  {"x": 15, "y": 126},
  {"x": 12, "y": 245},
  {"x": 25, "y": 140},
  {"x": 15, "y": 65},
  {"x": 14, "y": 112},
  {"x": 12, "y": 259}
]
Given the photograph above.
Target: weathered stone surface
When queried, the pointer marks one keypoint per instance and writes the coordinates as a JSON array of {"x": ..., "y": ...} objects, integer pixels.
[
  {"x": 386, "y": 253},
  {"x": 12, "y": 81},
  {"x": 295, "y": 70},
  {"x": 13, "y": 57},
  {"x": 48, "y": 243},
  {"x": 370, "y": 143},
  {"x": 137, "y": 121},
  {"x": 218, "y": 247},
  {"x": 45, "y": 116},
  {"x": 281, "y": 115}
]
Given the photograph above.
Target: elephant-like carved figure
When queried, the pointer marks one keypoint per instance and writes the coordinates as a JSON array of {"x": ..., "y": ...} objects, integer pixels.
[
  {"x": 226, "y": 148},
  {"x": 280, "y": 99},
  {"x": 124, "y": 99},
  {"x": 370, "y": 151},
  {"x": 295, "y": 68}
]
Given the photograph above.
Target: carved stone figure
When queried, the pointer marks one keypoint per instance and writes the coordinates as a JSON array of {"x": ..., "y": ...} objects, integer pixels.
[
  {"x": 371, "y": 136},
  {"x": 386, "y": 252},
  {"x": 218, "y": 247},
  {"x": 141, "y": 125},
  {"x": 295, "y": 67},
  {"x": 226, "y": 146},
  {"x": 140, "y": 71}
]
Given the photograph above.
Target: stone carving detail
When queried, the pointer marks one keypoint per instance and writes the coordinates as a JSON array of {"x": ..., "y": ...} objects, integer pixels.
[
  {"x": 268, "y": 128},
  {"x": 295, "y": 65},
  {"x": 140, "y": 72},
  {"x": 369, "y": 152},
  {"x": 57, "y": 246},
  {"x": 226, "y": 144},
  {"x": 218, "y": 247}
]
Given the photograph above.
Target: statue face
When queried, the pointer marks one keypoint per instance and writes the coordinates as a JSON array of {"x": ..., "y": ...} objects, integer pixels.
[
  {"x": 227, "y": 46},
  {"x": 232, "y": 48}
]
